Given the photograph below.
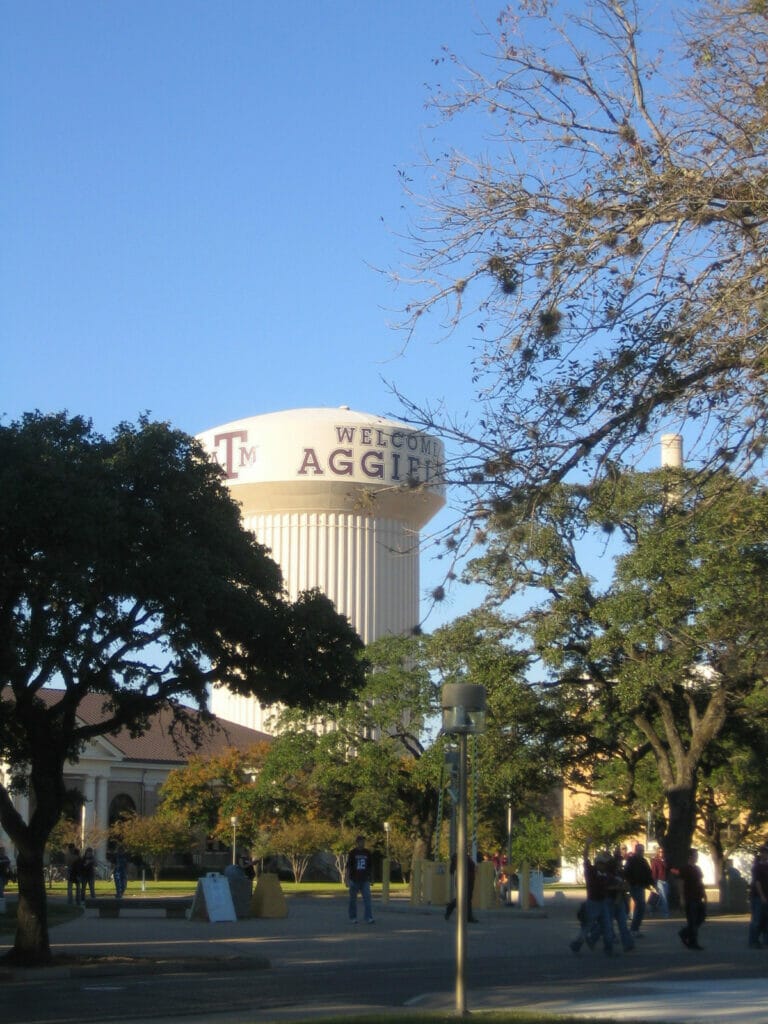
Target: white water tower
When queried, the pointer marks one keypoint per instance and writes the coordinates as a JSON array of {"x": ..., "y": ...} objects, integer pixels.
[{"x": 339, "y": 497}]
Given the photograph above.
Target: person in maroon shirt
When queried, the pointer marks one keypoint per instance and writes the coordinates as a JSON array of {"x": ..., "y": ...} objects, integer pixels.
[
  {"x": 595, "y": 918},
  {"x": 659, "y": 874},
  {"x": 694, "y": 901}
]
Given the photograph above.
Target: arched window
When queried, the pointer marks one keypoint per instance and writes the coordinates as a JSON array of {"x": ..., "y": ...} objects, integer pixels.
[{"x": 120, "y": 806}]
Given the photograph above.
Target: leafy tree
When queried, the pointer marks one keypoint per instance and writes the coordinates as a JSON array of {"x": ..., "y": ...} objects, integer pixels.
[
  {"x": 199, "y": 789},
  {"x": 340, "y": 845},
  {"x": 380, "y": 761},
  {"x": 670, "y": 658},
  {"x": 732, "y": 801},
  {"x": 535, "y": 841},
  {"x": 374, "y": 764},
  {"x": 154, "y": 839},
  {"x": 521, "y": 755},
  {"x": 608, "y": 245},
  {"x": 299, "y": 841},
  {"x": 602, "y": 824},
  {"x": 66, "y": 831},
  {"x": 125, "y": 572},
  {"x": 286, "y": 786}
]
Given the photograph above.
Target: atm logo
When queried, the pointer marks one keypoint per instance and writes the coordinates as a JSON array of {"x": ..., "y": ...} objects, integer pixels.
[{"x": 231, "y": 452}]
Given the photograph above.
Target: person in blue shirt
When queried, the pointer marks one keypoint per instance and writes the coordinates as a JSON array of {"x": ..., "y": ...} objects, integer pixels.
[{"x": 120, "y": 871}]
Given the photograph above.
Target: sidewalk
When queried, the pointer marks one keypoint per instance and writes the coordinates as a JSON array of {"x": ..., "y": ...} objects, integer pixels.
[{"x": 660, "y": 981}]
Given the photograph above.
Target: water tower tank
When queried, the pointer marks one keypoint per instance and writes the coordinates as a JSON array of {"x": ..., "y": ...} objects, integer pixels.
[{"x": 339, "y": 497}]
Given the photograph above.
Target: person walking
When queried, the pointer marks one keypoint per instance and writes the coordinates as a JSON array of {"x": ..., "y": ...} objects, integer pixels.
[
  {"x": 75, "y": 883},
  {"x": 596, "y": 916},
  {"x": 617, "y": 890},
  {"x": 120, "y": 872},
  {"x": 758, "y": 899},
  {"x": 89, "y": 872},
  {"x": 359, "y": 875},
  {"x": 71, "y": 854},
  {"x": 694, "y": 900},
  {"x": 659, "y": 875},
  {"x": 246, "y": 863},
  {"x": 639, "y": 877},
  {"x": 451, "y": 905}
]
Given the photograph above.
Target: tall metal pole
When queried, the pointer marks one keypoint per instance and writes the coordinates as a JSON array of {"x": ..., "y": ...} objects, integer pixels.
[
  {"x": 462, "y": 894},
  {"x": 509, "y": 848}
]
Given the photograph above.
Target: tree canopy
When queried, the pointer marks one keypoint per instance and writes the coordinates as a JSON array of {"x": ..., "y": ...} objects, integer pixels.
[
  {"x": 125, "y": 572},
  {"x": 668, "y": 659},
  {"x": 601, "y": 234}
]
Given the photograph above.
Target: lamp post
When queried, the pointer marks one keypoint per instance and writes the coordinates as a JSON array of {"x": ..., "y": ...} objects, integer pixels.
[
  {"x": 385, "y": 868},
  {"x": 509, "y": 847},
  {"x": 463, "y": 715},
  {"x": 233, "y": 823}
]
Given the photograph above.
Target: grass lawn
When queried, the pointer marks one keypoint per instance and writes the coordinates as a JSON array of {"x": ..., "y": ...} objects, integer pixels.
[{"x": 187, "y": 888}]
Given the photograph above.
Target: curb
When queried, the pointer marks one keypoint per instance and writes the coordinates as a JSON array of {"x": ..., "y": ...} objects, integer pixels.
[{"x": 137, "y": 966}]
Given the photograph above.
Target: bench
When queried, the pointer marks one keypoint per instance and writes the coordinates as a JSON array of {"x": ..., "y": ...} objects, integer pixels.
[{"x": 173, "y": 906}]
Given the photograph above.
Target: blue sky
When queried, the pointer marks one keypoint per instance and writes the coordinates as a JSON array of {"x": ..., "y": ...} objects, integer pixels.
[{"x": 194, "y": 196}]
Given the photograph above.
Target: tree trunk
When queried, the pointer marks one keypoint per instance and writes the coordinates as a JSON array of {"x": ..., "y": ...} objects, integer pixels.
[
  {"x": 31, "y": 946},
  {"x": 718, "y": 861},
  {"x": 682, "y": 820},
  {"x": 677, "y": 842}
]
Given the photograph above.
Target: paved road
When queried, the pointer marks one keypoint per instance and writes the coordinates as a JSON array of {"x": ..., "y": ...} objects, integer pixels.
[{"x": 315, "y": 962}]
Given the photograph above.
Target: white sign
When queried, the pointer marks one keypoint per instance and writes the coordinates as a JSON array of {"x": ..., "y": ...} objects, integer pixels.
[{"x": 213, "y": 890}]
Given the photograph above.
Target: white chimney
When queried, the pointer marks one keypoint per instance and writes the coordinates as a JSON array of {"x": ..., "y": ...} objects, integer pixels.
[{"x": 671, "y": 451}]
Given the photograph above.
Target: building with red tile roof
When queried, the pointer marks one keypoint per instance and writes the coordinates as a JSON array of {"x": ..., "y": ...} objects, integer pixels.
[{"x": 119, "y": 773}]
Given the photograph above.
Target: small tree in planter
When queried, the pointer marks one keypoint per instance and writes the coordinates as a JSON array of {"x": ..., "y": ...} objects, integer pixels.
[
  {"x": 340, "y": 847},
  {"x": 299, "y": 841},
  {"x": 154, "y": 839},
  {"x": 535, "y": 842},
  {"x": 601, "y": 825}
]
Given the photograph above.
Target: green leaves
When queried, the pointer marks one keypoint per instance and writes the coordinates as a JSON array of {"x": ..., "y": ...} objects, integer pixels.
[
  {"x": 663, "y": 654},
  {"x": 125, "y": 572}
]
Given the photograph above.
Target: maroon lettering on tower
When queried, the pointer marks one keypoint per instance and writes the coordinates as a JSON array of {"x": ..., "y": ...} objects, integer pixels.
[
  {"x": 372, "y": 464},
  {"x": 310, "y": 463},
  {"x": 247, "y": 456},
  {"x": 229, "y": 462},
  {"x": 340, "y": 462}
]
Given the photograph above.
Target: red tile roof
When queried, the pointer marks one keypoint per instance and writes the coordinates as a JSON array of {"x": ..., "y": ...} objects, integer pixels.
[{"x": 158, "y": 744}]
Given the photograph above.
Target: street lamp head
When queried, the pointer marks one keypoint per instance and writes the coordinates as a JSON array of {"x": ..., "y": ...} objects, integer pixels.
[
  {"x": 233, "y": 820},
  {"x": 386, "y": 826},
  {"x": 463, "y": 709}
]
